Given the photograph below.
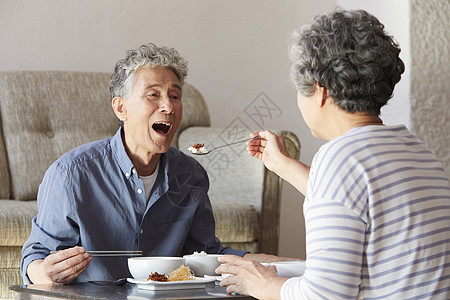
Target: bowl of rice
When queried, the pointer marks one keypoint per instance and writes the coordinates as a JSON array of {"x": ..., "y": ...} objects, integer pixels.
[
  {"x": 143, "y": 267},
  {"x": 202, "y": 263}
]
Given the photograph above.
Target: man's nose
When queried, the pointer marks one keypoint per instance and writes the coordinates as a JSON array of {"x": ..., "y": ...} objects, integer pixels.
[{"x": 166, "y": 105}]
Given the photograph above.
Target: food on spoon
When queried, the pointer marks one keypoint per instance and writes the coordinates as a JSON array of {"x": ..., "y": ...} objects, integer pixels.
[
  {"x": 198, "y": 148},
  {"x": 182, "y": 273}
]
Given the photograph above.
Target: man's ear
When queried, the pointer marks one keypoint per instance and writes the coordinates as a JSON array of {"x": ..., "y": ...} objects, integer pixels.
[{"x": 119, "y": 107}]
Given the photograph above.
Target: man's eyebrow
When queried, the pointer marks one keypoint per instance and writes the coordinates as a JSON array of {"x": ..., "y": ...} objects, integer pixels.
[
  {"x": 150, "y": 86},
  {"x": 177, "y": 86}
]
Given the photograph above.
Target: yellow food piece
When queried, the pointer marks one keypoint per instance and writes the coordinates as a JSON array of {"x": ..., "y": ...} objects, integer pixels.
[{"x": 181, "y": 274}]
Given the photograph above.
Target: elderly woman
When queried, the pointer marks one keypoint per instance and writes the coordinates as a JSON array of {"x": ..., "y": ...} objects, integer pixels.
[{"x": 377, "y": 202}]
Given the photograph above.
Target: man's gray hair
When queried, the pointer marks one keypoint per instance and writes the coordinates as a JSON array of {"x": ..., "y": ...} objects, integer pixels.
[{"x": 146, "y": 56}]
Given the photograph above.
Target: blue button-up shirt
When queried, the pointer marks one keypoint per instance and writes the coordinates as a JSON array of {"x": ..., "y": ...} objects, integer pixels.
[{"x": 93, "y": 197}]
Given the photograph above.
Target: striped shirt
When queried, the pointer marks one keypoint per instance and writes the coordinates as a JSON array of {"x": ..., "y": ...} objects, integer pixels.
[{"x": 377, "y": 213}]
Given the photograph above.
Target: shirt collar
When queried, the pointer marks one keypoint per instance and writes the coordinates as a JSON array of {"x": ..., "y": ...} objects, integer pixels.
[
  {"x": 121, "y": 155},
  {"x": 127, "y": 166}
]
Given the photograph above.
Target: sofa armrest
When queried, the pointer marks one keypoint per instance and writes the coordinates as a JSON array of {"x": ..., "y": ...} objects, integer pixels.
[
  {"x": 271, "y": 201},
  {"x": 15, "y": 221}
]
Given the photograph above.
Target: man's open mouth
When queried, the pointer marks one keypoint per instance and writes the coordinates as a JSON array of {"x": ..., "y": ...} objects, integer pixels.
[{"x": 161, "y": 127}]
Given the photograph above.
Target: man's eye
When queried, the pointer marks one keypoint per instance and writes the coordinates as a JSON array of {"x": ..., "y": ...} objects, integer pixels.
[{"x": 152, "y": 95}]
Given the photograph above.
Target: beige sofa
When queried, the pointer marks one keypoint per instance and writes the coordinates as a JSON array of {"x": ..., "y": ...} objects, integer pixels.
[{"x": 44, "y": 114}]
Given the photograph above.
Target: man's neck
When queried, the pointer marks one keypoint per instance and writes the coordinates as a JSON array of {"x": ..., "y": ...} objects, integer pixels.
[
  {"x": 145, "y": 162},
  {"x": 148, "y": 166}
]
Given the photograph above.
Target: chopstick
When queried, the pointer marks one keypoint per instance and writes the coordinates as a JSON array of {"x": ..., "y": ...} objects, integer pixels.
[{"x": 112, "y": 253}]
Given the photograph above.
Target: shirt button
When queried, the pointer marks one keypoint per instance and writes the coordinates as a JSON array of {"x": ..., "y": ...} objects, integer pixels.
[
  {"x": 139, "y": 191},
  {"x": 134, "y": 171},
  {"x": 127, "y": 174},
  {"x": 142, "y": 231}
]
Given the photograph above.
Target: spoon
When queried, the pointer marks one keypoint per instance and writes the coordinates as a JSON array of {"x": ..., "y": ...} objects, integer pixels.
[{"x": 204, "y": 152}]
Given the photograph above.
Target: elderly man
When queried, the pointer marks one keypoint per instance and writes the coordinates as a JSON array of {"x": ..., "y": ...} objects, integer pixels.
[{"x": 131, "y": 191}]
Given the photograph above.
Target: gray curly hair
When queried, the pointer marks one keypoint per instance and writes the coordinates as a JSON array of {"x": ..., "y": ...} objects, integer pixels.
[
  {"x": 349, "y": 54},
  {"x": 148, "y": 56}
]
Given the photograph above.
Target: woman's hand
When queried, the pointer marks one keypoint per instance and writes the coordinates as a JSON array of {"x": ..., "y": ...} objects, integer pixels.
[
  {"x": 270, "y": 149},
  {"x": 60, "y": 267},
  {"x": 249, "y": 277},
  {"x": 267, "y": 258}
]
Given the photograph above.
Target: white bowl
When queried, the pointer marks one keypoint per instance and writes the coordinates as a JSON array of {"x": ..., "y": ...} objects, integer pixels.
[
  {"x": 142, "y": 267},
  {"x": 203, "y": 264},
  {"x": 290, "y": 268}
]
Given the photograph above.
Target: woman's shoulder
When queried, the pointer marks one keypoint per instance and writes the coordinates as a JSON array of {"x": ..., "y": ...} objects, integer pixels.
[{"x": 362, "y": 137}]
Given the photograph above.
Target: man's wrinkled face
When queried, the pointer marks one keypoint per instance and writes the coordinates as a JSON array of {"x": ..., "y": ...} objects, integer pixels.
[{"x": 152, "y": 111}]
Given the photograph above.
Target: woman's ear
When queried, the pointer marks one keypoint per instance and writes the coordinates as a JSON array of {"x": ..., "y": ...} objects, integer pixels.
[
  {"x": 321, "y": 95},
  {"x": 119, "y": 107},
  {"x": 324, "y": 92}
]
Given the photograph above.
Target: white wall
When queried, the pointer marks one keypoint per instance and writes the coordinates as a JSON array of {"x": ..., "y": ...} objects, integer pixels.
[
  {"x": 430, "y": 76},
  {"x": 395, "y": 17},
  {"x": 236, "y": 50}
]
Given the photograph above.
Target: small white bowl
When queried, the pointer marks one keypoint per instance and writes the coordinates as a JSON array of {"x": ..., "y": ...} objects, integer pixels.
[
  {"x": 289, "y": 268},
  {"x": 142, "y": 267},
  {"x": 203, "y": 264}
]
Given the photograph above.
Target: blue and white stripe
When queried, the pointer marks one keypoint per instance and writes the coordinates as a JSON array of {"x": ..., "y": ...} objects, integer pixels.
[{"x": 377, "y": 214}]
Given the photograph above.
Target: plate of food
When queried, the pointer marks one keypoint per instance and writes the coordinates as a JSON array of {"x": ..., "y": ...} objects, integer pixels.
[
  {"x": 179, "y": 279},
  {"x": 195, "y": 283}
]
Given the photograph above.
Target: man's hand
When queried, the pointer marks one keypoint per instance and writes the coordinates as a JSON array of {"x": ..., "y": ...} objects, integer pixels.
[{"x": 60, "y": 267}]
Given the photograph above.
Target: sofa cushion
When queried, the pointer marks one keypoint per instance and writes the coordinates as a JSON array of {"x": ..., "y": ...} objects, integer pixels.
[
  {"x": 45, "y": 114},
  {"x": 4, "y": 173},
  {"x": 235, "y": 222},
  {"x": 9, "y": 277},
  {"x": 234, "y": 175},
  {"x": 252, "y": 247},
  {"x": 15, "y": 221},
  {"x": 11, "y": 257}
]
